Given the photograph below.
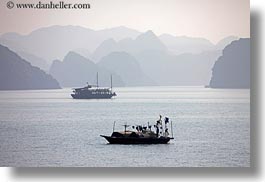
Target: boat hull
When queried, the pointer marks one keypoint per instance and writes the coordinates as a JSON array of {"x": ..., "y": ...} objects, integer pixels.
[
  {"x": 133, "y": 140},
  {"x": 94, "y": 96}
]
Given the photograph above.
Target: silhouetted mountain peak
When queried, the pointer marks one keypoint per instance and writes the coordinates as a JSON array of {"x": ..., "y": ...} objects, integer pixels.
[
  {"x": 149, "y": 41},
  {"x": 147, "y": 35},
  {"x": 225, "y": 41},
  {"x": 237, "y": 45},
  {"x": 107, "y": 46},
  {"x": 71, "y": 54},
  {"x": 73, "y": 58},
  {"x": 150, "y": 32}
]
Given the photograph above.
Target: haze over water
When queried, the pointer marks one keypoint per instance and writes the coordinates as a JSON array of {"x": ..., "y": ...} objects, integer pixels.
[{"x": 48, "y": 128}]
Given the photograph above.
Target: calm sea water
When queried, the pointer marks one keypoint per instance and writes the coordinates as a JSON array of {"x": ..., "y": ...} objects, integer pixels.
[{"x": 48, "y": 128}]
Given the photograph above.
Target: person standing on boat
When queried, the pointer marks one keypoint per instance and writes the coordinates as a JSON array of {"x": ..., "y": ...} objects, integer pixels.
[
  {"x": 158, "y": 125},
  {"x": 157, "y": 130},
  {"x": 166, "y": 128}
]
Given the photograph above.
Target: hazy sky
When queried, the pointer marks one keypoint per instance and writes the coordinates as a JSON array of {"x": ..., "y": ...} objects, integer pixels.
[{"x": 211, "y": 19}]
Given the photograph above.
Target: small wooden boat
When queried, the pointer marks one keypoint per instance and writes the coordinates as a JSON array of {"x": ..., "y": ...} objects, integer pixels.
[{"x": 142, "y": 134}]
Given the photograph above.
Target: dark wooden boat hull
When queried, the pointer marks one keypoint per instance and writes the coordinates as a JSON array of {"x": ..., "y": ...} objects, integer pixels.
[{"x": 133, "y": 140}]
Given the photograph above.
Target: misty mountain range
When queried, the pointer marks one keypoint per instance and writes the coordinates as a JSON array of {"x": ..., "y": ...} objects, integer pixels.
[
  {"x": 73, "y": 55},
  {"x": 44, "y": 41}
]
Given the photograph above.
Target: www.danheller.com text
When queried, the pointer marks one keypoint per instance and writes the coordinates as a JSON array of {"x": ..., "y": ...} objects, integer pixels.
[{"x": 47, "y": 5}]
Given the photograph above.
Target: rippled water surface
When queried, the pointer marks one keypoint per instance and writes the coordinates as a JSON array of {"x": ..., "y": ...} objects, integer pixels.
[{"x": 48, "y": 128}]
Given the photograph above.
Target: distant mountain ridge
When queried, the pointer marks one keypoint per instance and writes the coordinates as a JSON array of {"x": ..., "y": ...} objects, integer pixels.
[
  {"x": 43, "y": 41},
  {"x": 144, "y": 42},
  {"x": 18, "y": 74}
]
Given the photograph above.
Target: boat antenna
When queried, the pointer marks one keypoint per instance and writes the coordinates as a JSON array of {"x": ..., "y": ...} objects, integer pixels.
[
  {"x": 111, "y": 82},
  {"x": 114, "y": 125},
  {"x": 97, "y": 79},
  {"x": 125, "y": 126}
]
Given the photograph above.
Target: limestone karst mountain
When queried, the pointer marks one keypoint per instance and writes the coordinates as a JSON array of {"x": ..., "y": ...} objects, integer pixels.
[
  {"x": 18, "y": 74},
  {"x": 232, "y": 69},
  {"x": 76, "y": 70}
]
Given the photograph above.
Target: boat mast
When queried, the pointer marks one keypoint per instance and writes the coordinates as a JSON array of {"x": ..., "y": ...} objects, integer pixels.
[
  {"x": 111, "y": 82},
  {"x": 125, "y": 126},
  {"x": 97, "y": 79},
  {"x": 171, "y": 129},
  {"x": 114, "y": 126}
]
